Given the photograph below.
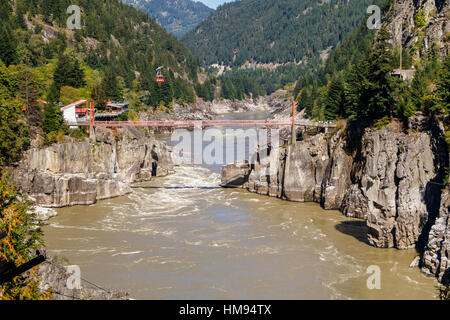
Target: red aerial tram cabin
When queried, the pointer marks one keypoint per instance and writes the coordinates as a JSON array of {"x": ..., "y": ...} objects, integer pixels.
[{"x": 159, "y": 76}]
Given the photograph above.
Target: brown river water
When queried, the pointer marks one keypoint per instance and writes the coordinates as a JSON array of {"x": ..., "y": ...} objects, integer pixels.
[{"x": 184, "y": 237}]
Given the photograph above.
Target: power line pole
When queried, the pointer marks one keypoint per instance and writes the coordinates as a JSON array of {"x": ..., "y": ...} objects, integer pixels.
[{"x": 293, "y": 130}]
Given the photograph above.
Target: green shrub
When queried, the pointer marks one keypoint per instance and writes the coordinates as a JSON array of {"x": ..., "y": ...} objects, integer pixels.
[
  {"x": 381, "y": 123},
  {"x": 79, "y": 133},
  {"x": 420, "y": 19},
  {"x": 23, "y": 237},
  {"x": 54, "y": 137},
  {"x": 52, "y": 119}
]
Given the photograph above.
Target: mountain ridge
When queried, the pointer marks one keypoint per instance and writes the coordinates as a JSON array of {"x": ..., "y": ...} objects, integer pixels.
[
  {"x": 176, "y": 16},
  {"x": 284, "y": 31}
]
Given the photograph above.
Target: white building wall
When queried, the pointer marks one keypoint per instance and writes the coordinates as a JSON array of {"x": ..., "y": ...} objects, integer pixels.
[{"x": 69, "y": 115}]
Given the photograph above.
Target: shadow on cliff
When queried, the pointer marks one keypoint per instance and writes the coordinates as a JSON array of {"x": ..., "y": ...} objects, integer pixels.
[
  {"x": 433, "y": 189},
  {"x": 356, "y": 229}
]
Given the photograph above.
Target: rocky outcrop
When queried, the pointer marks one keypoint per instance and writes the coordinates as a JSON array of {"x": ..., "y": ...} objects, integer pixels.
[
  {"x": 390, "y": 178},
  {"x": 336, "y": 179},
  {"x": 55, "y": 276},
  {"x": 402, "y": 23},
  {"x": 397, "y": 169},
  {"x": 304, "y": 169},
  {"x": 82, "y": 172},
  {"x": 436, "y": 258},
  {"x": 235, "y": 175}
]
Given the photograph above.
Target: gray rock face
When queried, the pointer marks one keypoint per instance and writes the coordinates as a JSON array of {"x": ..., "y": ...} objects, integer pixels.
[
  {"x": 397, "y": 168},
  {"x": 336, "y": 180},
  {"x": 266, "y": 177},
  {"x": 305, "y": 169},
  {"x": 388, "y": 180},
  {"x": 391, "y": 179},
  {"x": 355, "y": 204},
  {"x": 436, "y": 258},
  {"x": 80, "y": 173},
  {"x": 401, "y": 22},
  {"x": 235, "y": 175},
  {"x": 53, "y": 275}
]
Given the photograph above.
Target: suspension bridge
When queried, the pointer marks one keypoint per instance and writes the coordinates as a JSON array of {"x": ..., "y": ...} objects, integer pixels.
[{"x": 202, "y": 123}]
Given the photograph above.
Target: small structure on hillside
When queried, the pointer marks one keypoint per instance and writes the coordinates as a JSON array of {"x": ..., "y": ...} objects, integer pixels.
[
  {"x": 113, "y": 110},
  {"x": 117, "y": 107},
  {"x": 407, "y": 74},
  {"x": 75, "y": 113}
]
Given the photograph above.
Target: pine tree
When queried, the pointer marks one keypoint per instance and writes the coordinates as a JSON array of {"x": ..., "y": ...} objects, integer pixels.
[
  {"x": 54, "y": 94},
  {"x": 442, "y": 102},
  {"x": 110, "y": 86},
  {"x": 335, "y": 99},
  {"x": 98, "y": 95},
  {"x": 27, "y": 85},
  {"x": 382, "y": 87},
  {"x": 52, "y": 119},
  {"x": 14, "y": 133},
  {"x": 62, "y": 74},
  {"x": 306, "y": 101},
  {"x": 76, "y": 77},
  {"x": 7, "y": 46}
]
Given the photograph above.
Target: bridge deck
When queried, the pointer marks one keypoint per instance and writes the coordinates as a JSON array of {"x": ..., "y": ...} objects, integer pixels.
[{"x": 205, "y": 123}]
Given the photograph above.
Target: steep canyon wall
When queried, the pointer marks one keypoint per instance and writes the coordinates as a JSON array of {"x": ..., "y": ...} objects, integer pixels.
[{"x": 391, "y": 177}]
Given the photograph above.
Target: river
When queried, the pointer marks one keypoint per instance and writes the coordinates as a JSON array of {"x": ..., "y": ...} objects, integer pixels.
[{"x": 184, "y": 237}]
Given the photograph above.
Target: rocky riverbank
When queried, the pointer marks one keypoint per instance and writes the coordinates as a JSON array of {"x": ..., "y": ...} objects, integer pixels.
[
  {"x": 391, "y": 177},
  {"x": 54, "y": 275},
  {"x": 83, "y": 172}
]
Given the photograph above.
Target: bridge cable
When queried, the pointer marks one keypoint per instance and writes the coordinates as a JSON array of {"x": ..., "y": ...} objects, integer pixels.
[{"x": 91, "y": 283}]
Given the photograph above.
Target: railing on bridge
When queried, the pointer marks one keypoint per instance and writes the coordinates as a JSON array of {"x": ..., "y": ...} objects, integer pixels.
[
  {"x": 202, "y": 123},
  {"x": 210, "y": 123}
]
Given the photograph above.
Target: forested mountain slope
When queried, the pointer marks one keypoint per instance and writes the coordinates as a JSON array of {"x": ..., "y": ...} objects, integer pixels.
[
  {"x": 361, "y": 77},
  {"x": 112, "y": 56},
  {"x": 277, "y": 31},
  {"x": 176, "y": 16}
]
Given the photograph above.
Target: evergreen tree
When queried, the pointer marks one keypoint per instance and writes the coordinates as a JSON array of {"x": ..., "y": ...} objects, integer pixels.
[
  {"x": 98, "y": 95},
  {"x": 14, "y": 134},
  {"x": 335, "y": 99},
  {"x": 110, "y": 86},
  {"x": 228, "y": 90},
  {"x": 356, "y": 91},
  {"x": 306, "y": 100},
  {"x": 52, "y": 119},
  {"x": 62, "y": 74},
  {"x": 76, "y": 75},
  {"x": 7, "y": 46},
  {"x": 54, "y": 94},
  {"x": 378, "y": 99},
  {"x": 442, "y": 102},
  {"x": 27, "y": 86},
  {"x": 166, "y": 93}
]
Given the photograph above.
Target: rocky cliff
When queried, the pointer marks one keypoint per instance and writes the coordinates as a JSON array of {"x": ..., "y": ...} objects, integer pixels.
[
  {"x": 55, "y": 276},
  {"x": 436, "y": 258},
  {"x": 390, "y": 177},
  {"x": 416, "y": 34},
  {"x": 82, "y": 172}
]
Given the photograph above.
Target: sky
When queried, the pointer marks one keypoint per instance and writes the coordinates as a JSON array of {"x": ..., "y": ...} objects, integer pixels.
[{"x": 214, "y": 3}]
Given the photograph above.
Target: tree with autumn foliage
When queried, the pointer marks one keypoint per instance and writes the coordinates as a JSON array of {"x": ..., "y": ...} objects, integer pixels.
[{"x": 23, "y": 238}]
